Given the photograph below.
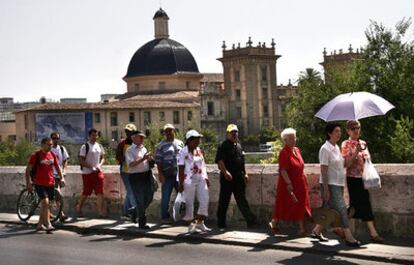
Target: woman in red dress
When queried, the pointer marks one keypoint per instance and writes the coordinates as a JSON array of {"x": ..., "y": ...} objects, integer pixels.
[{"x": 292, "y": 194}]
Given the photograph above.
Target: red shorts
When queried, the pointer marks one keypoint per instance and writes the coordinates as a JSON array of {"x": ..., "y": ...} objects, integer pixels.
[{"x": 93, "y": 182}]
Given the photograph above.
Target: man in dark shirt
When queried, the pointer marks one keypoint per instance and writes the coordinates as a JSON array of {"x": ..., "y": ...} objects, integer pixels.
[{"x": 233, "y": 178}]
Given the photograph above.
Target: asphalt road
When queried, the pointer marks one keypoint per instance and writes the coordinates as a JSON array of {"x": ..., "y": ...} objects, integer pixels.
[{"x": 20, "y": 245}]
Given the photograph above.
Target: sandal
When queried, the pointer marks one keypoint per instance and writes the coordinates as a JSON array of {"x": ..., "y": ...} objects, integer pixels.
[{"x": 377, "y": 239}]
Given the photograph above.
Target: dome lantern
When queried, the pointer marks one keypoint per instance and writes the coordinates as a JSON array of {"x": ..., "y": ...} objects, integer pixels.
[{"x": 161, "y": 24}]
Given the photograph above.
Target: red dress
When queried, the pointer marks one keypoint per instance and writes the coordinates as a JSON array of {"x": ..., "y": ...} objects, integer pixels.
[{"x": 285, "y": 208}]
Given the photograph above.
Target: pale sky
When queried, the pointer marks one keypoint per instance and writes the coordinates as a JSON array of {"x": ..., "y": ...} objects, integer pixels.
[{"x": 81, "y": 48}]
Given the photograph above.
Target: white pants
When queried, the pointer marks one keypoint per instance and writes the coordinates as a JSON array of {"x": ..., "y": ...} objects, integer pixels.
[{"x": 197, "y": 187}]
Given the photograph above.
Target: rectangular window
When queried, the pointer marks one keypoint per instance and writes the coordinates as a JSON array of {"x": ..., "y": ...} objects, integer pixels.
[
  {"x": 147, "y": 118},
  {"x": 132, "y": 117},
  {"x": 162, "y": 115},
  {"x": 189, "y": 115},
  {"x": 187, "y": 84},
  {"x": 210, "y": 108},
  {"x": 97, "y": 118},
  {"x": 238, "y": 94},
  {"x": 266, "y": 111},
  {"x": 114, "y": 135},
  {"x": 114, "y": 119},
  {"x": 237, "y": 76},
  {"x": 264, "y": 93},
  {"x": 161, "y": 85},
  {"x": 239, "y": 112},
  {"x": 176, "y": 117},
  {"x": 263, "y": 70}
]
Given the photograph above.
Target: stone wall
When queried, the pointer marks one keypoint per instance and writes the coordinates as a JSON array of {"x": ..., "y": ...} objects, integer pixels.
[{"x": 393, "y": 204}]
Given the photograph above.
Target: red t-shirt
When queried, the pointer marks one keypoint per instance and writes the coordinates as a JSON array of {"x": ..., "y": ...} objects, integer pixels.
[{"x": 44, "y": 168}]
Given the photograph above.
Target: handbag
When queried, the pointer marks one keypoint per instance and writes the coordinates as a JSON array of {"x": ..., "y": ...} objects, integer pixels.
[
  {"x": 154, "y": 182},
  {"x": 179, "y": 207},
  {"x": 370, "y": 176},
  {"x": 326, "y": 217}
]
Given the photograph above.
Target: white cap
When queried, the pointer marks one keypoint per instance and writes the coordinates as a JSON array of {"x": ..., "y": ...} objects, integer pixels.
[
  {"x": 192, "y": 133},
  {"x": 169, "y": 126}
]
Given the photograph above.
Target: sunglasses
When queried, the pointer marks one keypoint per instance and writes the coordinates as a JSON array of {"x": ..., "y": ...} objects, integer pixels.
[
  {"x": 55, "y": 138},
  {"x": 355, "y": 128}
]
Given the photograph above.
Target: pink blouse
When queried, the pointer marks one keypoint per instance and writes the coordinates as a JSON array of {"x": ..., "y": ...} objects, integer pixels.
[{"x": 349, "y": 147}]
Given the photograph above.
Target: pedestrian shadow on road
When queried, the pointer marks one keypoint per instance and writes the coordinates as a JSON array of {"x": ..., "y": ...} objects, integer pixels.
[
  {"x": 17, "y": 230},
  {"x": 307, "y": 258}
]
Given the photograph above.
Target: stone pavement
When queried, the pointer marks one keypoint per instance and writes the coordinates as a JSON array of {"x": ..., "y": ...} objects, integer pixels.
[{"x": 394, "y": 250}]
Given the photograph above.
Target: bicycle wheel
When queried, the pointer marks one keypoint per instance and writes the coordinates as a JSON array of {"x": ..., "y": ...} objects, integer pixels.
[
  {"x": 26, "y": 205},
  {"x": 56, "y": 207}
]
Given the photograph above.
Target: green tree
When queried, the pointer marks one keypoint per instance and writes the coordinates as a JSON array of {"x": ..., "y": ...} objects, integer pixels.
[
  {"x": 386, "y": 69},
  {"x": 402, "y": 142},
  {"x": 268, "y": 134}
]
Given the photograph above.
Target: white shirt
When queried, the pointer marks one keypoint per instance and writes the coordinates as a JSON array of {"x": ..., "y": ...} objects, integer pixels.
[
  {"x": 93, "y": 158},
  {"x": 133, "y": 153},
  {"x": 194, "y": 166},
  {"x": 60, "y": 156},
  {"x": 331, "y": 156}
]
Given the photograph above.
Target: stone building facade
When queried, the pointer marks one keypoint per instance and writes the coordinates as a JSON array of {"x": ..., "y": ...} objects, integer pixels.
[
  {"x": 339, "y": 62},
  {"x": 250, "y": 85}
]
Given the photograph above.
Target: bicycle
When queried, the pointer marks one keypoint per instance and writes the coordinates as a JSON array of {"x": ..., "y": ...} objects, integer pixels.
[{"x": 28, "y": 204}]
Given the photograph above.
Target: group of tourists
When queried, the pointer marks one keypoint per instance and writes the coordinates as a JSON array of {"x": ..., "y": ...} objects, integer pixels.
[
  {"x": 339, "y": 167},
  {"x": 182, "y": 167}
]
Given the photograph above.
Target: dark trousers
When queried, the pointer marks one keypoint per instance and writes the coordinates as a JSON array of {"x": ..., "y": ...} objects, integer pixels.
[
  {"x": 142, "y": 190},
  {"x": 359, "y": 199},
  {"x": 237, "y": 187}
]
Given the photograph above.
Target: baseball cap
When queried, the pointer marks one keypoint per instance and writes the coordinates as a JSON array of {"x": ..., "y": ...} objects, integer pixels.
[
  {"x": 192, "y": 133},
  {"x": 169, "y": 126},
  {"x": 232, "y": 127},
  {"x": 138, "y": 132},
  {"x": 130, "y": 127}
]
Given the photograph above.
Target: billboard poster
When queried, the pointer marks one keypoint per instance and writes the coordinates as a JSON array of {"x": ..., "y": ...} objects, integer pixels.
[{"x": 73, "y": 127}]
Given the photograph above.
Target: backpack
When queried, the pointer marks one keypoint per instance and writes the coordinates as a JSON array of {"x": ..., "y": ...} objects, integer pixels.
[
  {"x": 34, "y": 168},
  {"x": 87, "y": 151}
]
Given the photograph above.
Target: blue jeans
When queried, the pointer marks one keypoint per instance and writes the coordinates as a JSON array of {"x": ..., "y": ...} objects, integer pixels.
[
  {"x": 336, "y": 202},
  {"x": 170, "y": 183},
  {"x": 129, "y": 198}
]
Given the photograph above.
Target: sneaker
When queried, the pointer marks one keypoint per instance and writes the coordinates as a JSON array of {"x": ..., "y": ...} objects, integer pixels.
[
  {"x": 319, "y": 236},
  {"x": 201, "y": 226},
  {"x": 49, "y": 229},
  {"x": 40, "y": 228},
  {"x": 192, "y": 228}
]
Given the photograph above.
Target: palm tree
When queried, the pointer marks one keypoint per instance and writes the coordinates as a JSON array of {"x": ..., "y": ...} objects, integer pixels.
[{"x": 309, "y": 75}]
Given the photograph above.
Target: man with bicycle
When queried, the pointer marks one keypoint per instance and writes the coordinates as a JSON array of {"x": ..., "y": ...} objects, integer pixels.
[
  {"x": 39, "y": 174},
  {"x": 62, "y": 155}
]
